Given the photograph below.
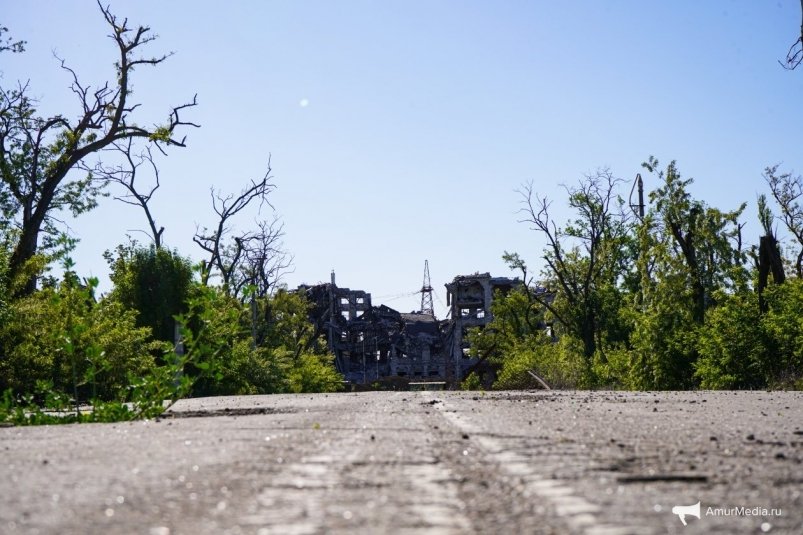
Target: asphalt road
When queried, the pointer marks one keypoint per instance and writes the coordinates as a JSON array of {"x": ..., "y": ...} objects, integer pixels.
[{"x": 418, "y": 462}]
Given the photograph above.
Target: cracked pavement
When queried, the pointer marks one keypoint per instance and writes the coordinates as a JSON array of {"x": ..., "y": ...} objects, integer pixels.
[{"x": 418, "y": 462}]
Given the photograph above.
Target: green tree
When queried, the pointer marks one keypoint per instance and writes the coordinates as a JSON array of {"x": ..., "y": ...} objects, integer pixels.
[
  {"x": 37, "y": 152},
  {"x": 154, "y": 282},
  {"x": 708, "y": 240},
  {"x": 584, "y": 261},
  {"x": 689, "y": 254},
  {"x": 516, "y": 316}
]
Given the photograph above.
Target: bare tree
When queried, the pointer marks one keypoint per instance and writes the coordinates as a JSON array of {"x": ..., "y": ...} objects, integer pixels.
[
  {"x": 126, "y": 176},
  {"x": 227, "y": 253},
  {"x": 262, "y": 259},
  {"x": 38, "y": 153},
  {"x": 795, "y": 54},
  {"x": 787, "y": 191}
]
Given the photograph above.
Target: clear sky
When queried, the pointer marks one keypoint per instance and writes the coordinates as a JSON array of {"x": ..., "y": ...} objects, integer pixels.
[{"x": 400, "y": 130}]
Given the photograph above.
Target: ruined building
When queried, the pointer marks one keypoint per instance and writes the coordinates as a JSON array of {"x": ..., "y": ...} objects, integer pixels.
[
  {"x": 376, "y": 343},
  {"x": 469, "y": 298}
]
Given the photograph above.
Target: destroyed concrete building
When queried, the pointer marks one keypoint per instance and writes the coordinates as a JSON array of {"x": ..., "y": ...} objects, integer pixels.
[
  {"x": 469, "y": 298},
  {"x": 373, "y": 343},
  {"x": 370, "y": 343}
]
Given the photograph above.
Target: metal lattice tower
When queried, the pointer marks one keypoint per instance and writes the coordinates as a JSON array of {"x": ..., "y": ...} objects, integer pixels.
[{"x": 426, "y": 293}]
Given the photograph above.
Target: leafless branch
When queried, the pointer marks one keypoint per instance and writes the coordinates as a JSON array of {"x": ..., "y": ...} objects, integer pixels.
[
  {"x": 223, "y": 257},
  {"x": 263, "y": 260},
  {"x": 787, "y": 190},
  {"x": 125, "y": 175},
  {"x": 795, "y": 54}
]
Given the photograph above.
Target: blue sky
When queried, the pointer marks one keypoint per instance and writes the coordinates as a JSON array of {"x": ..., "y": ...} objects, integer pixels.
[{"x": 400, "y": 130}]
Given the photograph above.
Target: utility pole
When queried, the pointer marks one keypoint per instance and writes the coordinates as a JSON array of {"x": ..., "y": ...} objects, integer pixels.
[{"x": 638, "y": 209}]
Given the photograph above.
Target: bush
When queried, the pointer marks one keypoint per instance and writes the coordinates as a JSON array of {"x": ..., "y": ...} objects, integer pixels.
[
  {"x": 154, "y": 282},
  {"x": 783, "y": 326},
  {"x": 60, "y": 336},
  {"x": 472, "y": 382},
  {"x": 732, "y": 345},
  {"x": 561, "y": 364},
  {"x": 283, "y": 357},
  {"x": 313, "y": 372}
]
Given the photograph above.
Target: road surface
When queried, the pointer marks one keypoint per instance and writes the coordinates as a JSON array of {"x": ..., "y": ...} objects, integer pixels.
[{"x": 418, "y": 462}]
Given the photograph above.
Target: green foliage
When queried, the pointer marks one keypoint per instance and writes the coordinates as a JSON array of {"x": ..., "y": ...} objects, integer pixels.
[
  {"x": 472, "y": 382},
  {"x": 60, "y": 335},
  {"x": 160, "y": 134},
  {"x": 687, "y": 260},
  {"x": 516, "y": 316},
  {"x": 663, "y": 347},
  {"x": 154, "y": 282},
  {"x": 313, "y": 372},
  {"x": 261, "y": 348},
  {"x": 732, "y": 345},
  {"x": 671, "y": 302},
  {"x": 5, "y": 291},
  {"x": 561, "y": 364},
  {"x": 517, "y": 342},
  {"x": 74, "y": 360},
  {"x": 783, "y": 326},
  {"x": 691, "y": 240},
  {"x": 586, "y": 259},
  {"x": 284, "y": 333},
  {"x": 210, "y": 331},
  {"x": 8, "y": 44},
  {"x": 742, "y": 348}
]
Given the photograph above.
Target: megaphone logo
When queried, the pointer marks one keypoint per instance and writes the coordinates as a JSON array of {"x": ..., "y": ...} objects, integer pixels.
[{"x": 683, "y": 510}]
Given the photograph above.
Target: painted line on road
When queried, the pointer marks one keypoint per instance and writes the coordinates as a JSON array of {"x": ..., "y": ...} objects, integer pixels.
[{"x": 579, "y": 514}]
